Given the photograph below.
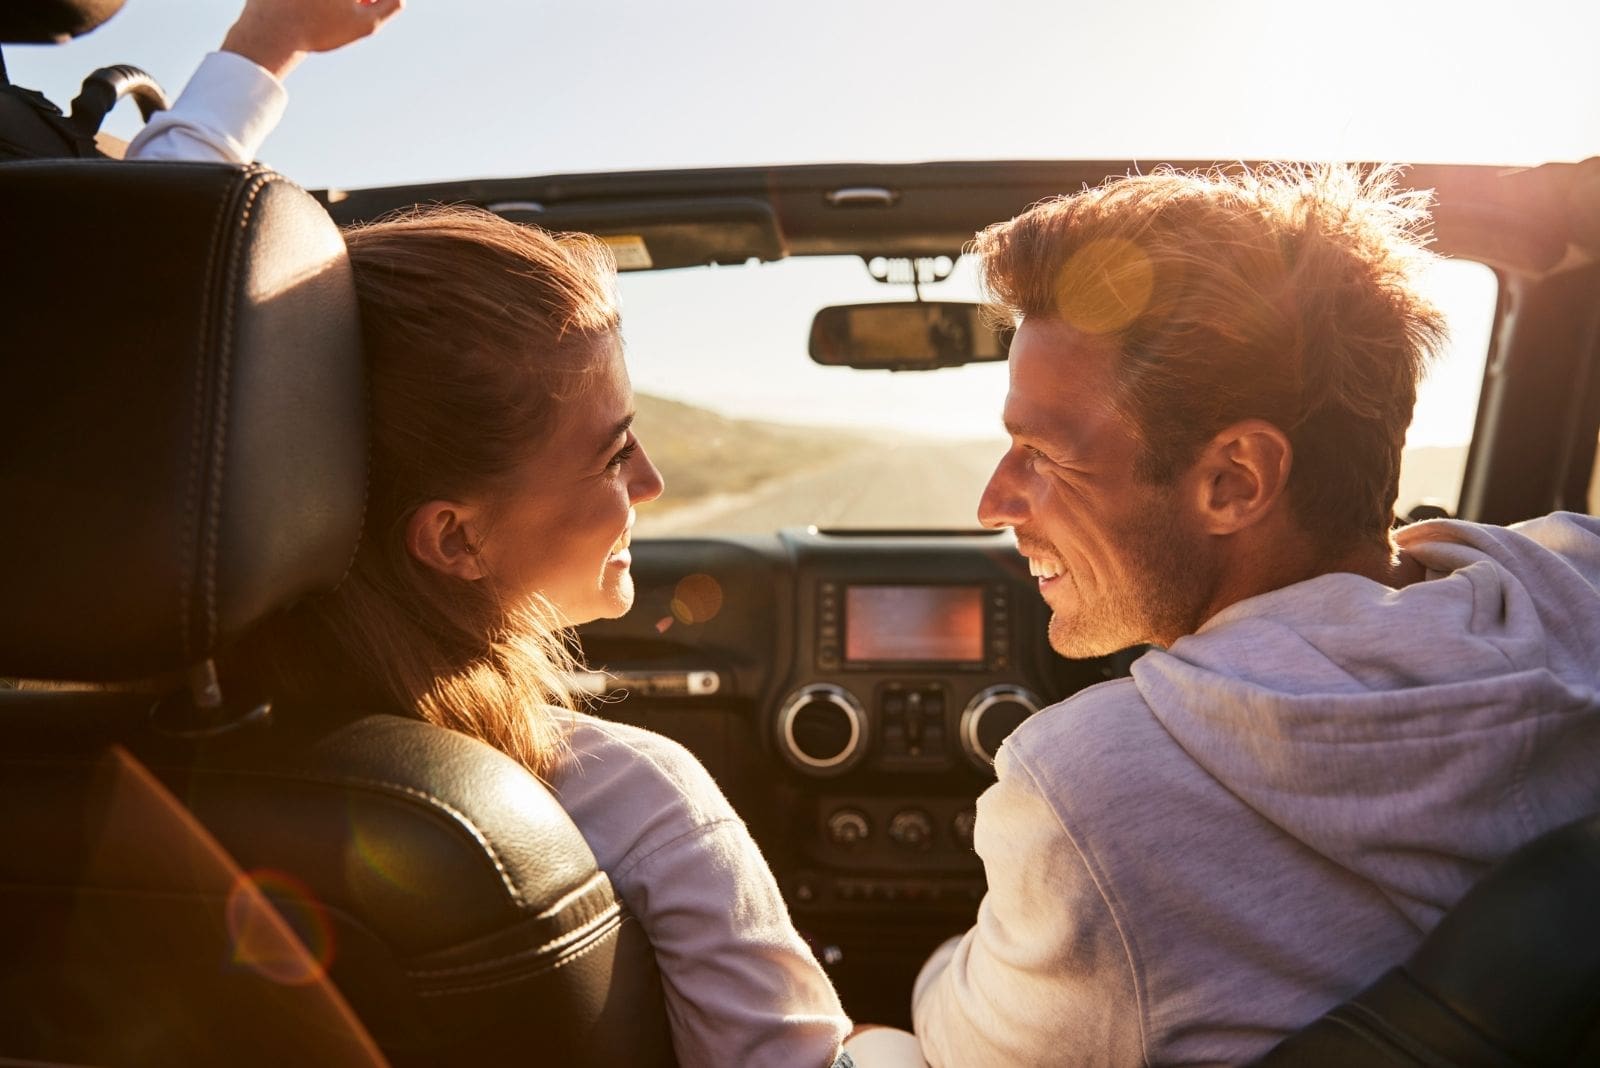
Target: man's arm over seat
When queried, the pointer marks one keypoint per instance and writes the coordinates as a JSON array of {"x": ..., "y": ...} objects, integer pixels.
[{"x": 1045, "y": 976}]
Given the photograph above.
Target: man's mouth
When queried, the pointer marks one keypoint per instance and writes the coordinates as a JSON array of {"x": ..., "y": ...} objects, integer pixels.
[
  {"x": 1043, "y": 569},
  {"x": 622, "y": 544}
]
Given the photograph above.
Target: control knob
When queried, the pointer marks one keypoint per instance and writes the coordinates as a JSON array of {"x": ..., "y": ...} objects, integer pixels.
[
  {"x": 848, "y": 828},
  {"x": 911, "y": 829},
  {"x": 961, "y": 826}
]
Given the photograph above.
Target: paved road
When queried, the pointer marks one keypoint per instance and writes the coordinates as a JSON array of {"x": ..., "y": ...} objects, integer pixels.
[{"x": 911, "y": 484}]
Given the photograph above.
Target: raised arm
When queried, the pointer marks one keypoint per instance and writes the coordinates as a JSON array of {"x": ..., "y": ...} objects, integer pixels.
[{"x": 236, "y": 97}]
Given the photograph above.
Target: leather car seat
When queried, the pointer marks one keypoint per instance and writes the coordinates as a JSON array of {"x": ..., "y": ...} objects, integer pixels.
[
  {"x": 189, "y": 876},
  {"x": 1510, "y": 978}
]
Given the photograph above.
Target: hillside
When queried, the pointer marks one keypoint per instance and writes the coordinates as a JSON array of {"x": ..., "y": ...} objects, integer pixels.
[{"x": 701, "y": 453}]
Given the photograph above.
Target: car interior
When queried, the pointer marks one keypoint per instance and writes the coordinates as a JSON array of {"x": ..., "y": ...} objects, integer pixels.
[{"x": 178, "y": 863}]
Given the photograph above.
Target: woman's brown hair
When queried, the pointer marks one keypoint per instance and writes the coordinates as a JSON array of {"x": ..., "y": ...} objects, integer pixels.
[{"x": 475, "y": 330}]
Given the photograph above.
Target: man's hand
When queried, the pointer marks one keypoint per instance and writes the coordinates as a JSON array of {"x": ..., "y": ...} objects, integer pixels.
[{"x": 277, "y": 34}]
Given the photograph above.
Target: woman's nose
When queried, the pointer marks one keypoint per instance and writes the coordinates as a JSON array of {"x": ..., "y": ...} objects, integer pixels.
[{"x": 646, "y": 483}]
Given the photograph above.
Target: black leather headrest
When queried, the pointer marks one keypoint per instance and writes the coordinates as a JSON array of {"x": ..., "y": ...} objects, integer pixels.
[
  {"x": 49, "y": 21},
  {"x": 182, "y": 438}
]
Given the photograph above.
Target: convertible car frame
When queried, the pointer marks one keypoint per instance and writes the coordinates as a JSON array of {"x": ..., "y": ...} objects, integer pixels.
[{"x": 847, "y": 686}]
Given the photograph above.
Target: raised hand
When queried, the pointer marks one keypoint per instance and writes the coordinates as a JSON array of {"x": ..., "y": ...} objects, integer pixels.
[{"x": 278, "y": 34}]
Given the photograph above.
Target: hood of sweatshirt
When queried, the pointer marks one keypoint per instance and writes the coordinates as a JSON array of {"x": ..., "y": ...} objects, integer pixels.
[{"x": 1449, "y": 720}]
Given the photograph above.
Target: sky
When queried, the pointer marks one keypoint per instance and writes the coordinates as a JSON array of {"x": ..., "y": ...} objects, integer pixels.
[
  {"x": 457, "y": 88},
  {"x": 473, "y": 88}
]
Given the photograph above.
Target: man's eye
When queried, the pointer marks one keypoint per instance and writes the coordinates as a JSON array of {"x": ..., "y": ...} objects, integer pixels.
[{"x": 623, "y": 455}]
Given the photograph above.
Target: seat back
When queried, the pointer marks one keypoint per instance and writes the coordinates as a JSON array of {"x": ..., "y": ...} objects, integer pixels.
[
  {"x": 1510, "y": 978},
  {"x": 189, "y": 876}
]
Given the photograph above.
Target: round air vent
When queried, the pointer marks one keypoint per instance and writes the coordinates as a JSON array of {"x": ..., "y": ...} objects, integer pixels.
[
  {"x": 822, "y": 729},
  {"x": 989, "y": 717}
]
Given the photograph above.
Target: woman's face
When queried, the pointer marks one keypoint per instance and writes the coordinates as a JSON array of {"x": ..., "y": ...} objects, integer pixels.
[{"x": 562, "y": 529}]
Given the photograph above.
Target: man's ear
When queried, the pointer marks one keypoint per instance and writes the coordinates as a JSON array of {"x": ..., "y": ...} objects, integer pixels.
[
  {"x": 1241, "y": 476},
  {"x": 440, "y": 534}
]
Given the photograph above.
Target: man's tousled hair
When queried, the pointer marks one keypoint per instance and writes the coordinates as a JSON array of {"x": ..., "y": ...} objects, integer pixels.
[{"x": 1286, "y": 293}]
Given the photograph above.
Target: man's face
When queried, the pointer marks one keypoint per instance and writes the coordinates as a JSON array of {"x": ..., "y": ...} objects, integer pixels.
[{"x": 1119, "y": 561}]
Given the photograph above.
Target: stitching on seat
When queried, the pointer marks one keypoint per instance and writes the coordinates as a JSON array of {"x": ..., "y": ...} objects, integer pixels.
[
  {"x": 586, "y": 888},
  {"x": 577, "y": 934},
  {"x": 514, "y": 980},
  {"x": 366, "y": 444},
  {"x": 257, "y": 182},
  {"x": 197, "y": 406}
]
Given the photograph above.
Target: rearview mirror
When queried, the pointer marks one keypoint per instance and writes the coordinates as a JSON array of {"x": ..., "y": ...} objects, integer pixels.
[{"x": 910, "y": 336}]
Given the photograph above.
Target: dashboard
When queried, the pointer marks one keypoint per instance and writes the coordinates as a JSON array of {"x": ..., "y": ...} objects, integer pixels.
[{"x": 848, "y": 691}]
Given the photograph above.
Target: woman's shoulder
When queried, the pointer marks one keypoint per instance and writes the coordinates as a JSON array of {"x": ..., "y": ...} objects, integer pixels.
[
  {"x": 629, "y": 788},
  {"x": 597, "y": 744}
]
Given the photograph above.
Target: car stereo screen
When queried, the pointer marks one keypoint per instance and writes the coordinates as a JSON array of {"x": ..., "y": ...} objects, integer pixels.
[{"x": 925, "y": 624}]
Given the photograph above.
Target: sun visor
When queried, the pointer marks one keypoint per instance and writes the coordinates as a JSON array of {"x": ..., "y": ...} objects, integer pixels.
[{"x": 667, "y": 232}]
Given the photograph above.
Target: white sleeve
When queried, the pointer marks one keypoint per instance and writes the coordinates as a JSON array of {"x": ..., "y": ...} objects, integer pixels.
[
  {"x": 1044, "y": 976},
  {"x": 223, "y": 115},
  {"x": 741, "y": 987}
]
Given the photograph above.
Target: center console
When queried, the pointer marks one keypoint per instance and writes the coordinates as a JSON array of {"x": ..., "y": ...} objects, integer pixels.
[{"x": 915, "y": 663}]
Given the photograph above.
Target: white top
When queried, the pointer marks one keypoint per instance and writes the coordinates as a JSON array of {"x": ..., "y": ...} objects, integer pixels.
[
  {"x": 1189, "y": 864},
  {"x": 222, "y": 116},
  {"x": 741, "y": 987}
]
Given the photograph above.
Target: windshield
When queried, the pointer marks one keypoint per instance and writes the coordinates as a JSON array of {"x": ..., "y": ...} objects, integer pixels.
[{"x": 752, "y": 436}]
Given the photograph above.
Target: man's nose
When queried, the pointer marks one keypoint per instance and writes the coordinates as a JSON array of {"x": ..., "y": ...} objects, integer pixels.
[{"x": 1002, "y": 503}]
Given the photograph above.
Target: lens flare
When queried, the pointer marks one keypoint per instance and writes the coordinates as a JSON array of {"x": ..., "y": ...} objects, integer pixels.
[
  {"x": 262, "y": 945},
  {"x": 697, "y": 599},
  {"x": 1104, "y": 286},
  {"x": 379, "y": 868}
]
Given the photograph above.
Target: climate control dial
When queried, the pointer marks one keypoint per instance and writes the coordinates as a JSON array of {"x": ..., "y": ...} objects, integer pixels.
[
  {"x": 911, "y": 829},
  {"x": 849, "y": 827}
]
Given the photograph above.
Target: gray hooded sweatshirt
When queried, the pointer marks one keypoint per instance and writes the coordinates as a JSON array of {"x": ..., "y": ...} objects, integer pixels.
[{"x": 1186, "y": 865}]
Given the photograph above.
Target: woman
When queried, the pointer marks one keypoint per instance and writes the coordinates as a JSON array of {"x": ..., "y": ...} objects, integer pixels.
[{"x": 504, "y": 477}]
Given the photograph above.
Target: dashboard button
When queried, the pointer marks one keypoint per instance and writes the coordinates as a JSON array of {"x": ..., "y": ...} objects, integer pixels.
[
  {"x": 911, "y": 829},
  {"x": 848, "y": 828},
  {"x": 962, "y": 825}
]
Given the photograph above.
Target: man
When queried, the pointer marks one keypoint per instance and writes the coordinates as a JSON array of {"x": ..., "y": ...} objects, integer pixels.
[{"x": 1210, "y": 386}]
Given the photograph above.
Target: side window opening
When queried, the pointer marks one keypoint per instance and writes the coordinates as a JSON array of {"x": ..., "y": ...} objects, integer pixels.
[{"x": 1435, "y": 458}]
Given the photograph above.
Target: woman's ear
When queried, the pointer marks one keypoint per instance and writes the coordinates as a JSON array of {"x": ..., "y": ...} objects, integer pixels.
[{"x": 438, "y": 535}]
